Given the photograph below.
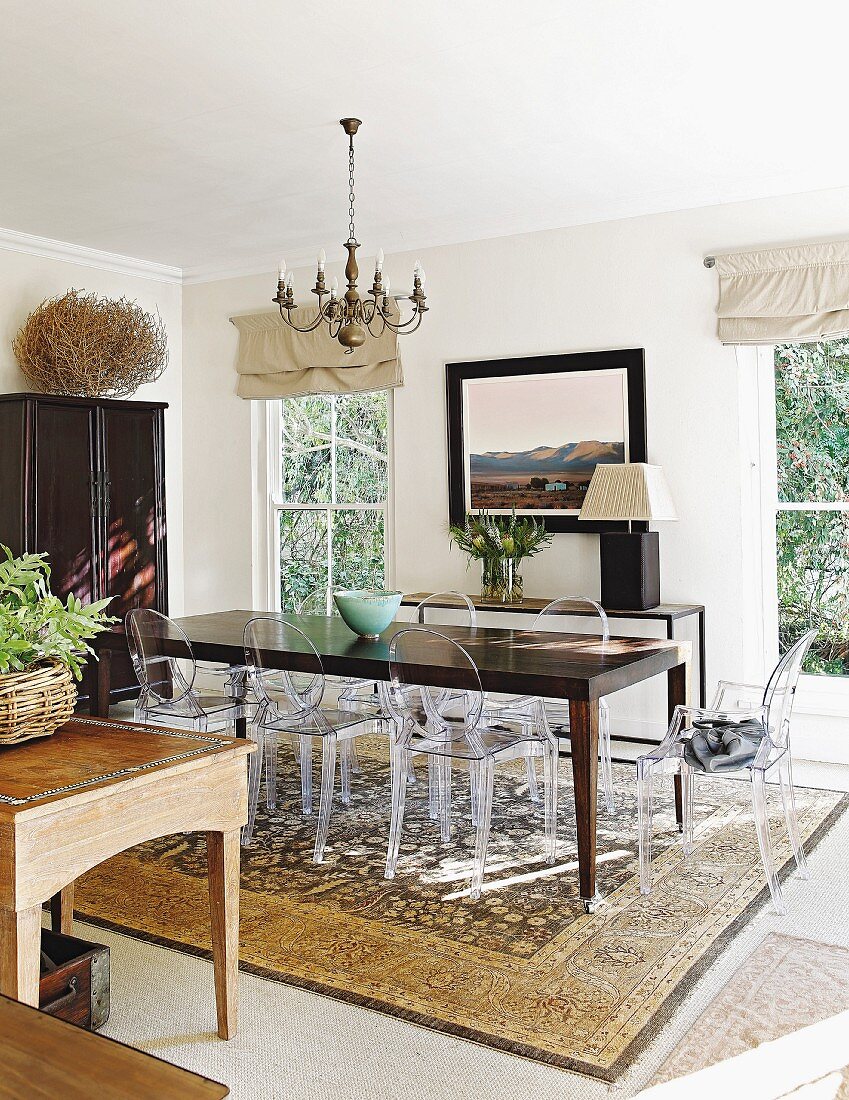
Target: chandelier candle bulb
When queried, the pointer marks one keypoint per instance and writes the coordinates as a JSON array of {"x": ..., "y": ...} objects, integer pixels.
[
  {"x": 378, "y": 264},
  {"x": 281, "y": 272},
  {"x": 322, "y": 260},
  {"x": 334, "y": 288}
]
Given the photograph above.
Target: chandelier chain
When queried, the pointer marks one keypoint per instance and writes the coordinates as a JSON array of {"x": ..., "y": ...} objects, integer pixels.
[{"x": 351, "y": 236}]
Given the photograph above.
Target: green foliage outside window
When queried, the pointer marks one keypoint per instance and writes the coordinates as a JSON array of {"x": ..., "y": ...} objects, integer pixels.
[
  {"x": 334, "y": 452},
  {"x": 812, "y": 437}
]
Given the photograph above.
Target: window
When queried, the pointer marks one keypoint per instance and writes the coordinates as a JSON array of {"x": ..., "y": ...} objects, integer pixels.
[
  {"x": 330, "y": 500},
  {"x": 810, "y": 495}
]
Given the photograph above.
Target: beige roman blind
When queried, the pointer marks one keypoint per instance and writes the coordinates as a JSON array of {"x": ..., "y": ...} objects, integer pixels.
[
  {"x": 784, "y": 295},
  {"x": 275, "y": 361}
]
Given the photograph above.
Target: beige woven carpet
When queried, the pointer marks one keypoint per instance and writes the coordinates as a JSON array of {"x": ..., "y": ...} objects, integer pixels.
[
  {"x": 523, "y": 969},
  {"x": 786, "y": 984}
]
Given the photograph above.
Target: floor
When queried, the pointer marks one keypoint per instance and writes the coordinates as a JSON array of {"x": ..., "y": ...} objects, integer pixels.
[{"x": 297, "y": 1045}]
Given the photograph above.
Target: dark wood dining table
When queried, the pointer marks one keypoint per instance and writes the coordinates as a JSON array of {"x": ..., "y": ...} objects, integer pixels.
[{"x": 554, "y": 665}]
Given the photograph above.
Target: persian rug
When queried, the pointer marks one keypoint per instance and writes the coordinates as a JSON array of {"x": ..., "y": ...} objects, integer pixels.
[
  {"x": 524, "y": 968},
  {"x": 785, "y": 985}
]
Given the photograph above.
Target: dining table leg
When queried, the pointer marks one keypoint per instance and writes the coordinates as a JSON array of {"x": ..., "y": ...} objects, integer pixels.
[
  {"x": 583, "y": 736},
  {"x": 20, "y": 953},
  {"x": 678, "y": 694},
  {"x": 222, "y": 854}
]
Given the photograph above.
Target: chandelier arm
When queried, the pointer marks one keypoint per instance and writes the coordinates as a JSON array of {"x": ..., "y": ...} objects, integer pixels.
[
  {"x": 374, "y": 315},
  {"x": 405, "y": 326},
  {"x": 308, "y": 328},
  {"x": 408, "y": 325}
]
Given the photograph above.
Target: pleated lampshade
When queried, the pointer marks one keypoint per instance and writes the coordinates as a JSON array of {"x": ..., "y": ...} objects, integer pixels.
[{"x": 631, "y": 490}]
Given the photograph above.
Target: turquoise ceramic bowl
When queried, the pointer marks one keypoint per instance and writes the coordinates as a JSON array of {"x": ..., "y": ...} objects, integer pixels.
[{"x": 367, "y": 611}]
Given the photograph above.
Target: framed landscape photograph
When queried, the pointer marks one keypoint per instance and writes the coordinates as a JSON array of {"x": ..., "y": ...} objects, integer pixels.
[{"x": 527, "y": 433}]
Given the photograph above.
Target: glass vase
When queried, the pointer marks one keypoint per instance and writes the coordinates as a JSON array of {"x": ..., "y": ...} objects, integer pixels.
[{"x": 495, "y": 585}]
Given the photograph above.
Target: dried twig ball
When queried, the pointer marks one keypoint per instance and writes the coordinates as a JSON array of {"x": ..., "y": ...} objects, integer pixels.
[{"x": 81, "y": 345}]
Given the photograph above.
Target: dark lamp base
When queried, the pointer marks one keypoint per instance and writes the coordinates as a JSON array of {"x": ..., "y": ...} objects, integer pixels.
[{"x": 630, "y": 570}]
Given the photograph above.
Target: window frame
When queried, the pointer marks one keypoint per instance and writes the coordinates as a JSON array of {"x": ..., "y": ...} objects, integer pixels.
[
  {"x": 276, "y": 501},
  {"x": 817, "y": 693}
]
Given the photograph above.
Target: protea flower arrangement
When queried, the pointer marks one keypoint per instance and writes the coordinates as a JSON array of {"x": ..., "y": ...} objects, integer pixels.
[{"x": 500, "y": 543}]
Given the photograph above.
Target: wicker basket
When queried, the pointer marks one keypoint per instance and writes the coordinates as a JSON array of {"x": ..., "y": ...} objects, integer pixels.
[{"x": 35, "y": 703}]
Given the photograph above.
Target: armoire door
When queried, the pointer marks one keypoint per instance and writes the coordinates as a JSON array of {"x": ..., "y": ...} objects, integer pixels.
[
  {"x": 133, "y": 494},
  {"x": 65, "y": 522}
]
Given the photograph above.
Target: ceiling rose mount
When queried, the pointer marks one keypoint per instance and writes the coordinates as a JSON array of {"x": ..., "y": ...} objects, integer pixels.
[{"x": 348, "y": 318}]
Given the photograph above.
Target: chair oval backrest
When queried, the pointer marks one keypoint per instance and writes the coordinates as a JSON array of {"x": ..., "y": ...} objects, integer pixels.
[
  {"x": 316, "y": 603},
  {"x": 448, "y": 601},
  {"x": 451, "y": 709},
  {"x": 297, "y": 690},
  {"x": 780, "y": 690},
  {"x": 562, "y": 605},
  {"x": 157, "y": 645}
]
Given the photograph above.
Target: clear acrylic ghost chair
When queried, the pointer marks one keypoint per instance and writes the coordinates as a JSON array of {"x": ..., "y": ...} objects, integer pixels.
[
  {"x": 290, "y": 703},
  {"x": 555, "y": 712},
  {"x": 352, "y": 693},
  {"x": 762, "y": 715},
  {"x": 447, "y": 724},
  {"x": 166, "y": 669}
]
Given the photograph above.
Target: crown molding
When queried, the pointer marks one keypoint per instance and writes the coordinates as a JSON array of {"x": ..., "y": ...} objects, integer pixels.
[
  {"x": 265, "y": 264},
  {"x": 13, "y": 241}
]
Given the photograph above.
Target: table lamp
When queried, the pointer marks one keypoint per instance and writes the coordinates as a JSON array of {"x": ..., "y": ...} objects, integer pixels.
[{"x": 630, "y": 560}]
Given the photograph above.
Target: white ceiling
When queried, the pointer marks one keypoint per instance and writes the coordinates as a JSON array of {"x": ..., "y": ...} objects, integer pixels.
[{"x": 204, "y": 135}]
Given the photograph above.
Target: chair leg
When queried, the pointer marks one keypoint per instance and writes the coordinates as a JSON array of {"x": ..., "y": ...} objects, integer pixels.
[
  {"x": 688, "y": 784},
  {"x": 354, "y": 757},
  {"x": 345, "y": 768},
  {"x": 254, "y": 769},
  {"x": 606, "y": 759},
  {"x": 485, "y": 784},
  {"x": 788, "y": 800},
  {"x": 533, "y": 786},
  {"x": 306, "y": 773},
  {"x": 411, "y": 771},
  {"x": 325, "y": 804},
  {"x": 270, "y": 754},
  {"x": 764, "y": 839},
  {"x": 474, "y": 792},
  {"x": 550, "y": 757},
  {"x": 400, "y": 764},
  {"x": 443, "y": 771},
  {"x": 432, "y": 788},
  {"x": 645, "y": 800}
]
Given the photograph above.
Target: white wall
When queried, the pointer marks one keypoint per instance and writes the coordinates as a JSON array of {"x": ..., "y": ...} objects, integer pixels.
[
  {"x": 25, "y": 280},
  {"x": 632, "y": 283}
]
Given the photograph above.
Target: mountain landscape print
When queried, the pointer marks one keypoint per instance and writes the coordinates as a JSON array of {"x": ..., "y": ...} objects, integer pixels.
[
  {"x": 542, "y": 478},
  {"x": 533, "y": 441}
]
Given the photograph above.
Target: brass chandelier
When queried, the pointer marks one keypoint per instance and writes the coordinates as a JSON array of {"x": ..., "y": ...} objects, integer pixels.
[{"x": 349, "y": 318}]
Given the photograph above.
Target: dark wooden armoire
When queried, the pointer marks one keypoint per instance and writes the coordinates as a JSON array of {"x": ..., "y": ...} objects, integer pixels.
[{"x": 83, "y": 480}]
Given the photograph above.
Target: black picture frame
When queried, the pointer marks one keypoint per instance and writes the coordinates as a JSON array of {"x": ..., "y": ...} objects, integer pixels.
[{"x": 630, "y": 360}]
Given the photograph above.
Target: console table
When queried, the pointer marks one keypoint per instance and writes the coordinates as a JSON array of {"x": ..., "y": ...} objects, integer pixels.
[{"x": 668, "y": 613}]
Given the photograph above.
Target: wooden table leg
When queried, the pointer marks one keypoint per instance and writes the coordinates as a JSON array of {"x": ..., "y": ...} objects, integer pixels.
[
  {"x": 222, "y": 854},
  {"x": 62, "y": 910},
  {"x": 678, "y": 694},
  {"x": 583, "y": 735},
  {"x": 20, "y": 954}
]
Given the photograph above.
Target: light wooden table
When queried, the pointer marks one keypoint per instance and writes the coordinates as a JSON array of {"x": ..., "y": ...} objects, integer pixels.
[
  {"x": 44, "y": 1058},
  {"x": 94, "y": 789}
]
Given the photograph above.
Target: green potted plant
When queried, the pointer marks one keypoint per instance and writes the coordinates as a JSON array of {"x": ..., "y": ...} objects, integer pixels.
[
  {"x": 43, "y": 648},
  {"x": 500, "y": 543}
]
